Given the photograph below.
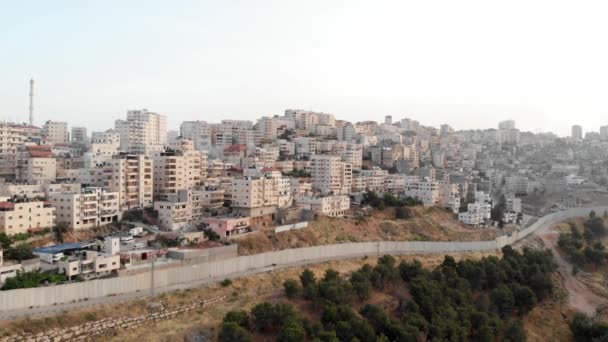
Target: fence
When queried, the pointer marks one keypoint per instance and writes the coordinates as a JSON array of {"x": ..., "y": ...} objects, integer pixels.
[{"x": 213, "y": 270}]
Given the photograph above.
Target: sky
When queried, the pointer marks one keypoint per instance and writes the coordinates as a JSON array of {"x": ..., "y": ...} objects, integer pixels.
[{"x": 469, "y": 64}]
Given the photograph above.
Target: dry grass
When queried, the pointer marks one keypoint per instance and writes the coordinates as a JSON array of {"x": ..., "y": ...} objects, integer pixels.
[
  {"x": 427, "y": 224},
  {"x": 548, "y": 321}
]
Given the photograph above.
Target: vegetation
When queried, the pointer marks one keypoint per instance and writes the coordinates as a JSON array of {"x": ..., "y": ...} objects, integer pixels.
[
  {"x": 298, "y": 174},
  {"x": 372, "y": 199},
  {"x": 32, "y": 279},
  {"x": 586, "y": 329},
  {"x": 19, "y": 253},
  {"x": 226, "y": 282},
  {"x": 60, "y": 229},
  {"x": 457, "y": 301},
  {"x": 211, "y": 235},
  {"x": 580, "y": 248}
]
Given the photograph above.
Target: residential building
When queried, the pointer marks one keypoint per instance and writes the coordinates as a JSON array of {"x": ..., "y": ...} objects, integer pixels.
[
  {"x": 23, "y": 216},
  {"x": 79, "y": 135},
  {"x": 132, "y": 177},
  {"x": 55, "y": 132},
  {"x": 187, "y": 207},
  {"x": 333, "y": 205},
  {"x": 143, "y": 132},
  {"x": 330, "y": 174},
  {"x": 35, "y": 163},
  {"x": 89, "y": 208}
]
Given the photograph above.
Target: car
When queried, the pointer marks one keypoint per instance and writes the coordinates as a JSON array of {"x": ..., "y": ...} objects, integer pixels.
[
  {"x": 126, "y": 239},
  {"x": 139, "y": 245}
]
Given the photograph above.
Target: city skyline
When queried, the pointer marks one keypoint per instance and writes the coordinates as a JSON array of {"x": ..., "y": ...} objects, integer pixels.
[{"x": 234, "y": 60}]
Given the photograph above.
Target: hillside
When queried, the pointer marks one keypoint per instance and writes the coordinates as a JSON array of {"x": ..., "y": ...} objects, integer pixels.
[{"x": 425, "y": 224}]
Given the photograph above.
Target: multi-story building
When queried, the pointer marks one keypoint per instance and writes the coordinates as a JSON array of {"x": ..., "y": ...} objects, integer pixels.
[
  {"x": 577, "y": 132},
  {"x": 197, "y": 131},
  {"x": 305, "y": 147},
  {"x": 91, "y": 207},
  {"x": 336, "y": 205},
  {"x": 35, "y": 163},
  {"x": 23, "y": 216},
  {"x": 260, "y": 189},
  {"x": 178, "y": 170},
  {"x": 428, "y": 192},
  {"x": 353, "y": 157},
  {"x": 79, "y": 135},
  {"x": 188, "y": 207},
  {"x": 11, "y": 137},
  {"x": 56, "y": 132},
  {"x": 330, "y": 174},
  {"x": 477, "y": 213},
  {"x": 143, "y": 132},
  {"x": 130, "y": 176}
]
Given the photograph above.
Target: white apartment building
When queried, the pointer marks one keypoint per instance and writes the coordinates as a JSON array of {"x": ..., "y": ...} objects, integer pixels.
[
  {"x": 79, "y": 135},
  {"x": 11, "y": 137},
  {"x": 477, "y": 213},
  {"x": 56, "y": 132},
  {"x": 330, "y": 174},
  {"x": 305, "y": 146},
  {"x": 103, "y": 146},
  {"x": 336, "y": 205},
  {"x": 197, "y": 131},
  {"x": 92, "y": 207},
  {"x": 35, "y": 163},
  {"x": 178, "y": 170},
  {"x": 353, "y": 157},
  {"x": 261, "y": 188},
  {"x": 187, "y": 207},
  {"x": 21, "y": 217},
  {"x": 143, "y": 132},
  {"x": 428, "y": 192},
  {"x": 374, "y": 179},
  {"x": 130, "y": 176},
  {"x": 513, "y": 204}
]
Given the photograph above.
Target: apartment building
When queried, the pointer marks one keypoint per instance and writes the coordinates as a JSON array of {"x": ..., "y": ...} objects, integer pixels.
[
  {"x": 305, "y": 147},
  {"x": 132, "y": 177},
  {"x": 23, "y": 216},
  {"x": 353, "y": 157},
  {"x": 178, "y": 170},
  {"x": 35, "y": 163},
  {"x": 336, "y": 205},
  {"x": 143, "y": 132},
  {"x": 261, "y": 188},
  {"x": 187, "y": 207},
  {"x": 428, "y": 192},
  {"x": 197, "y": 131},
  {"x": 477, "y": 213},
  {"x": 330, "y": 174},
  {"x": 103, "y": 145},
  {"x": 227, "y": 226},
  {"x": 79, "y": 135},
  {"x": 55, "y": 132},
  {"x": 11, "y": 137},
  {"x": 89, "y": 264},
  {"x": 89, "y": 208},
  {"x": 374, "y": 179}
]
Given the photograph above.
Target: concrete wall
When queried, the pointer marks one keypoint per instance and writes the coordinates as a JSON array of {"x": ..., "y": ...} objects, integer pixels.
[
  {"x": 293, "y": 226},
  {"x": 213, "y": 270}
]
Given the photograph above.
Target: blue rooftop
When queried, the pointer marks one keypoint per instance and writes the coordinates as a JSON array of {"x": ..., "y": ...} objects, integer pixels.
[{"x": 64, "y": 247}]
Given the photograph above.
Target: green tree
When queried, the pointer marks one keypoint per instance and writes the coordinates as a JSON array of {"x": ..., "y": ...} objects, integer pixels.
[
  {"x": 525, "y": 298},
  {"x": 239, "y": 317},
  {"x": 292, "y": 331},
  {"x": 515, "y": 332},
  {"x": 503, "y": 299},
  {"x": 291, "y": 288},
  {"x": 263, "y": 316},
  {"x": 20, "y": 252},
  {"x": 232, "y": 332}
]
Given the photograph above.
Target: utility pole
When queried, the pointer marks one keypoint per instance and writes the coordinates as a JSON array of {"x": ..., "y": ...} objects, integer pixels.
[{"x": 152, "y": 277}]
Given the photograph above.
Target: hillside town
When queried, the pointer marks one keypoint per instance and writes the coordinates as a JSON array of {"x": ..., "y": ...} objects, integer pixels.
[{"x": 170, "y": 196}]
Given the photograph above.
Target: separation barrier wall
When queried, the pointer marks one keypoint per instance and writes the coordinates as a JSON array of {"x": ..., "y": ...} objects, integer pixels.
[{"x": 213, "y": 270}]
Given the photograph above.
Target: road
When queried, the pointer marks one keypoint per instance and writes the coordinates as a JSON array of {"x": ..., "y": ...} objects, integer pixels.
[{"x": 580, "y": 297}]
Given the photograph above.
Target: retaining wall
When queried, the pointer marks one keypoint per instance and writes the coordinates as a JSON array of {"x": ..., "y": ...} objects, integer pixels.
[{"x": 46, "y": 296}]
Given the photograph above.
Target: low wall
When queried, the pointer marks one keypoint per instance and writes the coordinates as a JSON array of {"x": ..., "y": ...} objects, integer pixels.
[
  {"x": 212, "y": 270},
  {"x": 289, "y": 227}
]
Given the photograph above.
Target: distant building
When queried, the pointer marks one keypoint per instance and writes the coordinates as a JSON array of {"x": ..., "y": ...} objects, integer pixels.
[
  {"x": 577, "y": 132},
  {"x": 143, "y": 132},
  {"x": 56, "y": 132}
]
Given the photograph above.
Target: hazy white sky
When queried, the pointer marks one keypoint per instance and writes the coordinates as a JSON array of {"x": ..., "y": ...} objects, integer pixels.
[{"x": 466, "y": 63}]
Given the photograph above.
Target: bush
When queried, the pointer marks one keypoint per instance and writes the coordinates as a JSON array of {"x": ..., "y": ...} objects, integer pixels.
[
  {"x": 226, "y": 282},
  {"x": 232, "y": 332},
  {"x": 291, "y": 288}
]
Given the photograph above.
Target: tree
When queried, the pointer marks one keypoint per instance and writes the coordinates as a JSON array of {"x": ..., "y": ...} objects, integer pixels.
[
  {"x": 402, "y": 213},
  {"x": 307, "y": 278},
  {"x": 232, "y": 332},
  {"x": 20, "y": 252},
  {"x": 525, "y": 298},
  {"x": 515, "y": 332},
  {"x": 292, "y": 331},
  {"x": 239, "y": 317},
  {"x": 5, "y": 241},
  {"x": 60, "y": 229},
  {"x": 592, "y": 214},
  {"x": 263, "y": 316},
  {"x": 291, "y": 288},
  {"x": 503, "y": 299}
]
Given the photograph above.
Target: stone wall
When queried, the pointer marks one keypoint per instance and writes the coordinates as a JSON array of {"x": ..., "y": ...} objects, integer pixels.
[{"x": 107, "y": 326}]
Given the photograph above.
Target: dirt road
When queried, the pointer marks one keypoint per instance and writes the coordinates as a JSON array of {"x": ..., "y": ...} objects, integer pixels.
[{"x": 580, "y": 297}]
